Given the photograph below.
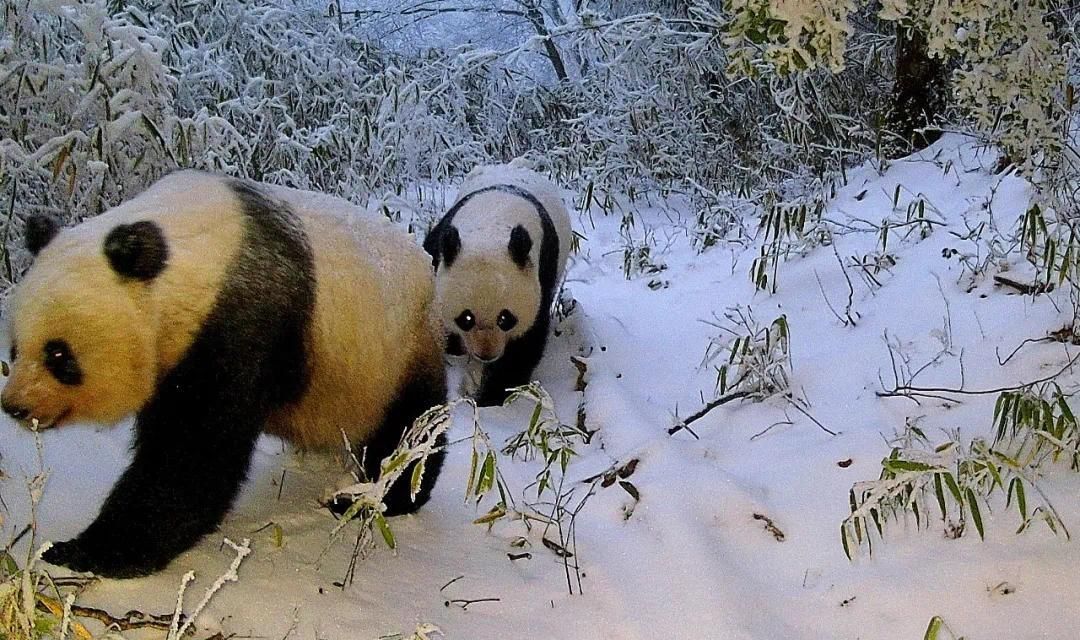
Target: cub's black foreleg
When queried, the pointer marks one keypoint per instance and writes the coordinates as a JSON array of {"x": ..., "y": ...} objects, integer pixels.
[{"x": 516, "y": 365}]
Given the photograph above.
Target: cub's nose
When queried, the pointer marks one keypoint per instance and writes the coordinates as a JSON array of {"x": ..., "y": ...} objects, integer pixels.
[{"x": 14, "y": 410}]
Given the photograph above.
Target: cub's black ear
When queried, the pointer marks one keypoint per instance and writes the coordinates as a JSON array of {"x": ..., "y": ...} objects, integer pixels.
[
  {"x": 450, "y": 245},
  {"x": 137, "y": 250},
  {"x": 520, "y": 245},
  {"x": 40, "y": 230}
]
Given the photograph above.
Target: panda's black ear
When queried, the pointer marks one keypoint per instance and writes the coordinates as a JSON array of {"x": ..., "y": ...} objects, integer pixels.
[
  {"x": 137, "y": 250},
  {"x": 520, "y": 245},
  {"x": 40, "y": 230},
  {"x": 450, "y": 244}
]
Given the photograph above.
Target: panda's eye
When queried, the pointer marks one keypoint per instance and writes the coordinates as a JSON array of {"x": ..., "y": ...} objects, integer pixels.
[
  {"x": 466, "y": 320},
  {"x": 506, "y": 320},
  {"x": 62, "y": 364}
]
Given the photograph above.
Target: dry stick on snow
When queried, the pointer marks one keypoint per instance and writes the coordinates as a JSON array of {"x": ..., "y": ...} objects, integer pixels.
[
  {"x": 722, "y": 400},
  {"x": 1015, "y": 351},
  {"x": 1023, "y": 287},
  {"x": 464, "y": 603},
  {"x": 793, "y": 403},
  {"x": 770, "y": 526},
  {"x": 685, "y": 424},
  {"x": 130, "y": 620},
  {"x": 934, "y": 392},
  {"x": 582, "y": 368}
]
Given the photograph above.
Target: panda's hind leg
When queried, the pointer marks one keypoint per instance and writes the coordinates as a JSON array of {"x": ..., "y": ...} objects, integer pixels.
[{"x": 420, "y": 393}]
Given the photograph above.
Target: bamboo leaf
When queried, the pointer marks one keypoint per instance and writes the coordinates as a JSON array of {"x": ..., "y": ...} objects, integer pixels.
[
  {"x": 976, "y": 515},
  {"x": 384, "y": 529}
]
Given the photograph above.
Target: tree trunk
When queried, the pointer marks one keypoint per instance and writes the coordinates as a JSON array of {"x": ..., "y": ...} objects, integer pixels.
[
  {"x": 919, "y": 90},
  {"x": 532, "y": 13}
]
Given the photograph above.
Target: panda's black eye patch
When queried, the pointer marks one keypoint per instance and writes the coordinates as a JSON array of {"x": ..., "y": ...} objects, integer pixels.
[
  {"x": 61, "y": 363},
  {"x": 465, "y": 320},
  {"x": 506, "y": 320}
]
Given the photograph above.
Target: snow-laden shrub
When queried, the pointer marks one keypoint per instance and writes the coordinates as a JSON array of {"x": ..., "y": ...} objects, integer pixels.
[{"x": 85, "y": 110}]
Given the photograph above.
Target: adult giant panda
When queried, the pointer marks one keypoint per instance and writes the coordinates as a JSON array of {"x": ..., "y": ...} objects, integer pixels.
[
  {"x": 215, "y": 310},
  {"x": 500, "y": 253}
]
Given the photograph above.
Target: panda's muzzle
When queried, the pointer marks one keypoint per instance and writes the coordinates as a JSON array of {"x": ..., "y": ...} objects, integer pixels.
[{"x": 14, "y": 410}]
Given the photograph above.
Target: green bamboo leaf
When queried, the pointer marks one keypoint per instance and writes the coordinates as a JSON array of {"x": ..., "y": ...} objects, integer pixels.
[
  {"x": 954, "y": 488},
  {"x": 487, "y": 475},
  {"x": 394, "y": 463},
  {"x": 907, "y": 465},
  {"x": 940, "y": 493},
  {"x": 995, "y": 474},
  {"x": 1021, "y": 500},
  {"x": 976, "y": 515},
  {"x": 472, "y": 473},
  {"x": 384, "y": 529},
  {"x": 417, "y": 478},
  {"x": 496, "y": 512},
  {"x": 1065, "y": 410},
  {"x": 934, "y": 628},
  {"x": 535, "y": 419}
]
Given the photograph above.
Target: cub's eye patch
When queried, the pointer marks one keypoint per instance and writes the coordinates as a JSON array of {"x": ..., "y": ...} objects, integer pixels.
[
  {"x": 466, "y": 320},
  {"x": 61, "y": 363},
  {"x": 506, "y": 320}
]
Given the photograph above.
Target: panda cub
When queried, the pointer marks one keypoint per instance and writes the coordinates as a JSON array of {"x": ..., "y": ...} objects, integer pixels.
[
  {"x": 216, "y": 310},
  {"x": 500, "y": 253}
]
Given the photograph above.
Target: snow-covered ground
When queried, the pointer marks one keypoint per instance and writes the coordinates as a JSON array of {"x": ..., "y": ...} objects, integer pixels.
[{"x": 690, "y": 559}]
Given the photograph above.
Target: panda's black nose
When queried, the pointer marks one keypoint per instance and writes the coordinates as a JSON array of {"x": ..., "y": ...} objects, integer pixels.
[{"x": 14, "y": 411}]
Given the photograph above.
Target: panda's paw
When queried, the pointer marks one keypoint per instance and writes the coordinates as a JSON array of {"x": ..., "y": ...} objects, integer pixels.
[
  {"x": 79, "y": 556},
  {"x": 68, "y": 554}
]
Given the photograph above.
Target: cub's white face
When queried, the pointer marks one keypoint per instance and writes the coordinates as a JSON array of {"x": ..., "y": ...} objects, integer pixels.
[{"x": 486, "y": 301}]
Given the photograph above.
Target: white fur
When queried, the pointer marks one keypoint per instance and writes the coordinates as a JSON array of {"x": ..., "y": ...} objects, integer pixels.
[{"x": 483, "y": 278}]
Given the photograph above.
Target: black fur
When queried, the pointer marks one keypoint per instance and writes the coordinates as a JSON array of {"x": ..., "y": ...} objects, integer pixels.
[
  {"x": 450, "y": 245},
  {"x": 40, "y": 230},
  {"x": 194, "y": 439},
  {"x": 137, "y": 250},
  {"x": 520, "y": 245},
  {"x": 61, "y": 363},
  {"x": 419, "y": 394},
  {"x": 454, "y": 345},
  {"x": 522, "y": 355}
]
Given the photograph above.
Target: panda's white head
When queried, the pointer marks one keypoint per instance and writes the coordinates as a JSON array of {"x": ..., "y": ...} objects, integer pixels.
[
  {"x": 81, "y": 348},
  {"x": 486, "y": 298}
]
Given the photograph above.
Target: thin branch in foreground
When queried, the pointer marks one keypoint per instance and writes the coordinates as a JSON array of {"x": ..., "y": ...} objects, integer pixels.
[
  {"x": 934, "y": 392},
  {"x": 464, "y": 604},
  {"x": 130, "y": 620},
  {"x": 722, "y": 400}
]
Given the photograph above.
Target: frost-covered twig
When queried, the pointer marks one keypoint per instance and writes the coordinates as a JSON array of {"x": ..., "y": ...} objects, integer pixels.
[{"x": 177, "y": 631}]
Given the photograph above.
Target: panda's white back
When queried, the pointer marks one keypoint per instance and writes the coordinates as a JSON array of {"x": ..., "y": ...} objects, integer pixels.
[{"x": 487, "y": 219}]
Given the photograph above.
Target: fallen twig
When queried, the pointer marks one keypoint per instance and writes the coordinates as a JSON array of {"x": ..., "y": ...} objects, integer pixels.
[
  {"x": 1023, "y": 287},
  {"x": 934, "y": 392},
  {"x": 722, "y": 400},
  {"x": 770, "y": 526}
]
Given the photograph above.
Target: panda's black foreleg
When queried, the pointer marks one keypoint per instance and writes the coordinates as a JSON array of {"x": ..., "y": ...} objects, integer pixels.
[
  {"x": 186, "y": 472},
  {"x": 417, "y": 396},
  {"x": 516, "y": 365}
]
